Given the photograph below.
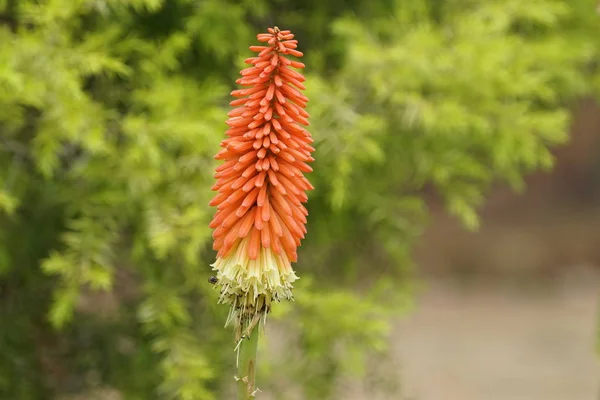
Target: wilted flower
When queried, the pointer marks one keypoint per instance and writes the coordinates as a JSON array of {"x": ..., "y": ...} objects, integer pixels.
[{"x": 260, "y": 219}]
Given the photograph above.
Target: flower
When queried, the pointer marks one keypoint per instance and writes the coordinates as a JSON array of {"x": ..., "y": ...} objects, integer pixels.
[{"x": 260, "y": 218}]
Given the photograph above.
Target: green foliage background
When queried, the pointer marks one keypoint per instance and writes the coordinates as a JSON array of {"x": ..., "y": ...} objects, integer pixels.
[{"x": 111, "y": 111}]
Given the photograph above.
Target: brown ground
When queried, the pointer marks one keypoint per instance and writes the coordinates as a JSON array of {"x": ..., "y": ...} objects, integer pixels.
[{"x": 495, "y": 342}]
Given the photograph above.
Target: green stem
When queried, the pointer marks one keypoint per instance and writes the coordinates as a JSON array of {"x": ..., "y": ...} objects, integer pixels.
[{"x": 247, "y": 367}]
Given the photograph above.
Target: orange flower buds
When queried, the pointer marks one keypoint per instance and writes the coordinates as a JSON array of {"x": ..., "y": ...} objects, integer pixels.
[{"x": 260, "y": 218}]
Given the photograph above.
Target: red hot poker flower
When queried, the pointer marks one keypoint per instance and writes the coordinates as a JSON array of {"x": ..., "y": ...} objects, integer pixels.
[{"x": 260, "y": 218}]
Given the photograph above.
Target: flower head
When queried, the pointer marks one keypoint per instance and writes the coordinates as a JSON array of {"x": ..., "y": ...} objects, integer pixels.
[{"x": 260, "y": 218}]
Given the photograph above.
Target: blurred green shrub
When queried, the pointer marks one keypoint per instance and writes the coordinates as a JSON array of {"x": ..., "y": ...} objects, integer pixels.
[{"x": 111, "y": 111}]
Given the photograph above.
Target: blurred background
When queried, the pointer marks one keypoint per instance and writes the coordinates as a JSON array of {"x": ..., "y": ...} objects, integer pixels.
[{"x": 451, "y": 249}]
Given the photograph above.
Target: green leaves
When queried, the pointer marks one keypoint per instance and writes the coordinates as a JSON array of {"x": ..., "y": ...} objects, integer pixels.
[
  {"x": 87, "y": 260},
  {"x": 8, "y": 203},
  {"x": 458, "y": 104},
  {"x": 330, "y": 346}
]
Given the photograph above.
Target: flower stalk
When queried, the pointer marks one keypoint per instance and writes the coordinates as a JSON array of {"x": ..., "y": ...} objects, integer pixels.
[{"x": 247, "y": 367}]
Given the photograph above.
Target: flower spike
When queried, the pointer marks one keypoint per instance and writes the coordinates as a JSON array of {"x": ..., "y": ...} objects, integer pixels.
[{"x": 260, "y": 218}]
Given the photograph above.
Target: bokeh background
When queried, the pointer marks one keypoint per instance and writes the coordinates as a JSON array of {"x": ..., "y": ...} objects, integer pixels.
[{"x": 452, "y": 247}]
